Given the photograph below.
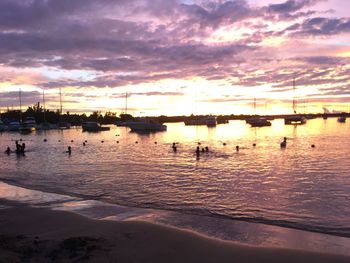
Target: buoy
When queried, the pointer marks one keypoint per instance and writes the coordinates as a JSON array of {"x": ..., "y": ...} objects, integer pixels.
[
  {"x": 254, "y": 144},
  {"x": 224, "y": 144},
  {"x": 136, "y": 142},
  {"x": 155, "y": 142},
  {"x": 102, "y": 141}
]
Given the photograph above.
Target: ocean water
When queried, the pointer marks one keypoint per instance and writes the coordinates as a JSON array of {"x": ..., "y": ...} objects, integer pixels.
[{"x": 298, "y": 187}]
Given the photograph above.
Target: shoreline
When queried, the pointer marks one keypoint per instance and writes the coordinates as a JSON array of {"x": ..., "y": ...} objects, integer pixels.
[
  {"x": 251, "y": 235},
  {"x": 43, "y": 234},
  {"x": 74, "y": 196}
]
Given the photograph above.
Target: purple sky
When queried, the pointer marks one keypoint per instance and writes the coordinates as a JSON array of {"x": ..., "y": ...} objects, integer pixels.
[{"x": 176, "y": 57}]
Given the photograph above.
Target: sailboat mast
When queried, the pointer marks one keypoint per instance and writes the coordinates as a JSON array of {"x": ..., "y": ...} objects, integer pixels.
[
  {"x": 126, "y": 102},
  {"x": 60, "y": 100},
  {"x": 20, "y": 104},
  {"x": 294, "y": 104},
  {"x": 44, "y": 106},
  {"x": 254, "y": 106}
]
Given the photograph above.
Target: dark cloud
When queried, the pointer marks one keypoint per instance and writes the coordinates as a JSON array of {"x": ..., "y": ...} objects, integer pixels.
[
  {"x": 319, "y": 26},
  {"x": 290, "y": 6}
]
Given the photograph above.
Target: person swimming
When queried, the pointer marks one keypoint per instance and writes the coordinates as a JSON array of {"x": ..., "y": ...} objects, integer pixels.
[
  {"x": 8, "y": 150},
  {"x": 23, "y": 147},
  {"x": 198, "y": 151},
  {"x": 18, "y": 147},
  {"x": 284, "y": 143}
]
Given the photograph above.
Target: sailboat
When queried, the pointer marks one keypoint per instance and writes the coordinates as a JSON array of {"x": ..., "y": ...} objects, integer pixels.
[
  {"x": 124, "y": 122},
  {"x": 62, "y": 124},
  {"x": 257, "y": 121},
  {"x": 296, "y": 118},
  {"x": 29, "y": 124}
]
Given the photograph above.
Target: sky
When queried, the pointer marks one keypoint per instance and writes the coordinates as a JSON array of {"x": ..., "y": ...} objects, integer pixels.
[{"x": 176, "y": 57}]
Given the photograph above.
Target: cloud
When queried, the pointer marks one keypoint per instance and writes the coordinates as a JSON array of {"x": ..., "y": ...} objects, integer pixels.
[{"x": 319, "y": 26}]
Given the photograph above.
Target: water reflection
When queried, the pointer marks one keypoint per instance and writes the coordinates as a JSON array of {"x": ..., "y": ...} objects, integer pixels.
[{"x": 300, "y": 186}]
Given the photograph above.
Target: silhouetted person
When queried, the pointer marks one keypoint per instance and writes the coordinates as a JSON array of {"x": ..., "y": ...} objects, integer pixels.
[
  {"x": 84, "y": 144},
  {"x": 237, "y": 148},
  {"x": 174, "y": 148},
  {"x": 284, "y": 143},
  {"x": 198, "y": 151},
  {"x": 69, "y": 151},
  {"x": 8, "y": 150},
  {"x": 23, "y": 147},
  {"x": 18, "y": 147},
  {"x": 203, "y": 150},
  {"x": 206, "y": 149}
]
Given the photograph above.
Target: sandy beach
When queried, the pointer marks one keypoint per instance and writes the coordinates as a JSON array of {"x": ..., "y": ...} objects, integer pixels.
[{"x": 44, "y": 235}]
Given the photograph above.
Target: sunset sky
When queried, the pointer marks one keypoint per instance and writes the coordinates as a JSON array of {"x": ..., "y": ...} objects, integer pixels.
[{"x": 176, "y": 57}]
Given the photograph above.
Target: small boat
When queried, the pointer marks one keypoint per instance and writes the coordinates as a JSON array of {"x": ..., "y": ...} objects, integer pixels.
[
  {"x": 295, "y": 119},
  {"x": 44, "y": 126},
  {"x": 30, "y": 123},
  {"x": 210, "y": 121},
  {"x": 122, "y": 123},
  {"x": 13, "y": 126},
  {"x": 258, "y": 122},
  {"x": 93, "y": 126},
  {"x": 221, "y": 121},
  {"x": 63, "y": 125},
  {"x": 342, "y": 119},
  {"x": 146, "y": 125}
]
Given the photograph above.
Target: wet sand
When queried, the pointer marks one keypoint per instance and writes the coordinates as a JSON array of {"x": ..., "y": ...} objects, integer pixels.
[{"x": 44, "y": 235}]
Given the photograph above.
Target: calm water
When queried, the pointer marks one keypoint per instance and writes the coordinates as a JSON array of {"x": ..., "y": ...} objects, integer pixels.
[{"x": 300, "y": 186}]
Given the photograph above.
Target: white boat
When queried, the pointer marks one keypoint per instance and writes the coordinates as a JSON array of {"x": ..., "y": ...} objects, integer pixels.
[
  {"x": 210, "y": 121},
  {"x": 295, "y": 119},
  {"x": 2, "y": 126},
  {"x": 258, "y": 122},
  {"x": 93, "y": 126},
  {"x": 13, "y": 126},
  {"x": 146, "y": 125}
]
